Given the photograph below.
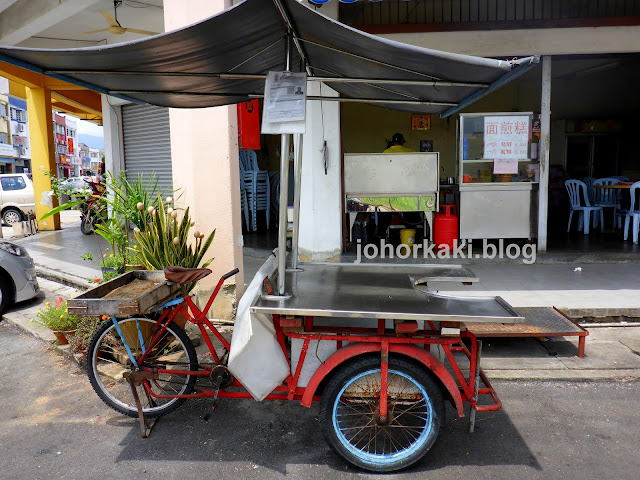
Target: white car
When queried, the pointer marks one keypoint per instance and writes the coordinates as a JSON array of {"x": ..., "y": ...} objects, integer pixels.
[
  {"x": 17, "y": 275},
  {"x": 17, "y": 198}
]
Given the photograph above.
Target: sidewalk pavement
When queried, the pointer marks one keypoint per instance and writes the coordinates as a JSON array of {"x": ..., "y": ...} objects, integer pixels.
[{"x": 596, "y": 290}]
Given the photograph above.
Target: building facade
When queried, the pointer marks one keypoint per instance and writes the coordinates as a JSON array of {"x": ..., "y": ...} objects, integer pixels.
[
  {"x": 20, "y": 134},
  {"x": 6, "y": 147}
]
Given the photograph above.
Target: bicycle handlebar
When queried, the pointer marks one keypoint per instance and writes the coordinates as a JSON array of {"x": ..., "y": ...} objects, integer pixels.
[{"x": 230, "y": 274}]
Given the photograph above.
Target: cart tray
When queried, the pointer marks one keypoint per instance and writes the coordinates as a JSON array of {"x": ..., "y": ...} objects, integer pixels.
[
  {"x": 133, "y": 293},
  {"x": 382, "y": 291}
]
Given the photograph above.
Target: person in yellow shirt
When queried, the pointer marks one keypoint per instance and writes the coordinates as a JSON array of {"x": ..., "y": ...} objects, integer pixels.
[{"x": 396, "y": 145}]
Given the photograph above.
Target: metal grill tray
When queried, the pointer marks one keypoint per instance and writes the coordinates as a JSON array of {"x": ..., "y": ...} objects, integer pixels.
[
  {"x": 383, "y": 291},
  {"x": 133, "y": 293}
]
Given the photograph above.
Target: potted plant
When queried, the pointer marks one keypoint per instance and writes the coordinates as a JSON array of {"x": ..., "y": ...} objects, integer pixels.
[
  {"x": 166, "y": 239},
  {"x": 58, "y": 320},
  {"x": 111, "y": 263}
]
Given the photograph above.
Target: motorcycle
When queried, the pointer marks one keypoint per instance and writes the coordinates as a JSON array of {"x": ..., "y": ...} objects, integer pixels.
[{"x": 93, "y": 209}]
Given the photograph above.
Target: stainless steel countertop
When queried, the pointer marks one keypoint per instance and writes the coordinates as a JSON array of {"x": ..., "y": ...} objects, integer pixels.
[{"x": 389, "y": 291}]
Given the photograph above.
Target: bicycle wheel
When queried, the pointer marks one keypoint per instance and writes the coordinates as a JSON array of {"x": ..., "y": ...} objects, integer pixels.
[
  {"x": 107, "y": 360},
  {"x": 350, "y": 414}
]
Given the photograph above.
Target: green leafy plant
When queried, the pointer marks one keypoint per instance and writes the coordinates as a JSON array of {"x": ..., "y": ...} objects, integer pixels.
[
  {"x": 166, "y": 240},
  {"x": 111, "y": 260},
  {"x": 84, "y": 331},
  {"x": 87, "y": 256},
  {"x": 56, "y": 317}
]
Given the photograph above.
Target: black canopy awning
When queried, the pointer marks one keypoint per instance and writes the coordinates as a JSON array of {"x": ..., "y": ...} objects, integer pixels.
[{"x": 223, "y": 60}]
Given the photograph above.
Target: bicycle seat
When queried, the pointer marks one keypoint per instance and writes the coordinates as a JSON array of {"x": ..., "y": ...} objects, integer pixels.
[{"x": 183, "y": 275}]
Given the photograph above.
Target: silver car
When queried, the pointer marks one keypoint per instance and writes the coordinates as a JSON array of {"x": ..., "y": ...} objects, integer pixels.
[{"x": 17, "y": 275}]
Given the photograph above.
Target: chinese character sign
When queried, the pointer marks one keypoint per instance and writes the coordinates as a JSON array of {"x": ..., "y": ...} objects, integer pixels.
[{"x": 506, "y": 137}]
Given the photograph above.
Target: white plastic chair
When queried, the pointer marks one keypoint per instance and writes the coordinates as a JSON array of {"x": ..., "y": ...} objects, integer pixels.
[
  {"x": 632, "y": 213},
  {"x": 577, "y": 191},
  {"x": 606, "y": 197}
]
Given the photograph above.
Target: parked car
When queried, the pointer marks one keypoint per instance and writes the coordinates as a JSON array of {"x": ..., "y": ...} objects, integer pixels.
[
  {"x": 73, "y": 184},
  {"x": 17, "y": 275},
  {"x": 17, "y": 198}
]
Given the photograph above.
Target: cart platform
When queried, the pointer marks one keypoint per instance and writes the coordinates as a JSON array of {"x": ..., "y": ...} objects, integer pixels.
[{"x": 382, "y": 291}]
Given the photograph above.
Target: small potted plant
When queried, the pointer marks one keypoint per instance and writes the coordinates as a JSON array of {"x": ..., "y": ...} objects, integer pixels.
[
  {"x": 111, "y": 263},
  {"x": 58, "y": 320}
]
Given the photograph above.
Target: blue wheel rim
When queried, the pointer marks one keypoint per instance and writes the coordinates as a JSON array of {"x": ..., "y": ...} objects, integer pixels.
[{"x": 357, "y": 431}]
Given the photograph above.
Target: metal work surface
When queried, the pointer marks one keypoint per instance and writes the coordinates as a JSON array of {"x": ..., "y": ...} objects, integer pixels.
[
  {"x": 537, "y": 322},
  {"x": 383, "y": 291}
]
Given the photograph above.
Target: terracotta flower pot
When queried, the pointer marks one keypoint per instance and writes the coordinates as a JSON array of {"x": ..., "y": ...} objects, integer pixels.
[{"x": 63, "y": 336}]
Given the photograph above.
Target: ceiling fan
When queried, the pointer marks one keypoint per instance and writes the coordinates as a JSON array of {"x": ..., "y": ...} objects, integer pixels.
[{"x": 114, "y": 25}]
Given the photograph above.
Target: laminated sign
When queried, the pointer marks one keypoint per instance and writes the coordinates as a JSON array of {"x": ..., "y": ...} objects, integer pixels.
[
  {"x": 285, "y": 96},
  {"x": 506, "y": 137}
]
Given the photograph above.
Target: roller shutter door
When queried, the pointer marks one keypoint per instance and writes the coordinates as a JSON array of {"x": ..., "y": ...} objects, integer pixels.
[{"x": 147, "y": 144}]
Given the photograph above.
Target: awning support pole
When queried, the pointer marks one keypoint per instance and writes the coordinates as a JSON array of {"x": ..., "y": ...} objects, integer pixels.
[
  {"x": 282, "y": 224},
  {"x": 284, "y": 192},
  {"x": 543, "y": 152},
  {"x": 297, "y": 170}
]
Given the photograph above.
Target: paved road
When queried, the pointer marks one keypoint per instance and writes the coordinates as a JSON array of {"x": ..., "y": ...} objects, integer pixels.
[{"x": 53, "y": 427}]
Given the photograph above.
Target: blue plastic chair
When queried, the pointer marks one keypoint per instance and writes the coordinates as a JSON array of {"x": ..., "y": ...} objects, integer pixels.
[
  {"x": 577, "y": 191},
  {"x": 632, "y": 213},
  {"x": 256, "y": 185},
  {"x": 588, "y": 181},
  {"x": 606, "y": 197}
]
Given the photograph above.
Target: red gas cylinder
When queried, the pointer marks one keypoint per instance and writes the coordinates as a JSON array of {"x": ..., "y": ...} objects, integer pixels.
[{"x": 445, "y": 226}]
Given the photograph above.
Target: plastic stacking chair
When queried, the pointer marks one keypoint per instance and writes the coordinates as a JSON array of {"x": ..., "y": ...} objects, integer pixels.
[
  {"x": 634, "y": 213},
  {"x": 579, "y": 199},
  {"x": 256, "y": 186},
  {"x": 588, "y": 181},
  {"x": 606, "y": 197},
  {"x": 244, "y": 203}
]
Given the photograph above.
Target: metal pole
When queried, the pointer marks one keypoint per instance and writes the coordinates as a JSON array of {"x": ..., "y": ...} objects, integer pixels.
[
  {"x": 543, "y": 153},
  {"x": 297, "y": 171},
  {"x": 284, "y": 193},
  {"x": 282, "y": 224}
]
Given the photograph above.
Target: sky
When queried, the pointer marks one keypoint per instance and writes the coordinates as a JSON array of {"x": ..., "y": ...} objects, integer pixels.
[{"x": 84, "y": 127}]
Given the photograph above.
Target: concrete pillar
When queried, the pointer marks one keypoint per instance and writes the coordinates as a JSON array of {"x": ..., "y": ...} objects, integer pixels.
[
  {"x": 112, "y": 130},
  {"x": 204, "y": 152},
  {"x": 320, "y": 201},
  {"x": 43, "y": 156},
  {"x": 545, "y": 143}
]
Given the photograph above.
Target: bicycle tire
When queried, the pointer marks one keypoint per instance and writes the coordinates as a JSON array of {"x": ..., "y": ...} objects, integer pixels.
[
  {"x": 107, "y": 360},
  {"x": 351, "y": 425}
]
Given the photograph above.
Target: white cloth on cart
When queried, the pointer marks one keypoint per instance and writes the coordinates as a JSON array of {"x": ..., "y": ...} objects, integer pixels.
[{"x": 256, "y": 358}]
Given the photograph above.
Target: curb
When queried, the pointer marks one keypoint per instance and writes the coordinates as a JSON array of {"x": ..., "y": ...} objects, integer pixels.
[{"x": 67, "y": 279}]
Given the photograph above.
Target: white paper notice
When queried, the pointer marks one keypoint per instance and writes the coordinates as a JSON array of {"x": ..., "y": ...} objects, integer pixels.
[
  {"x": 505, "y": 165},
  {"x": 506, "y": 137},
  {"x": 285, "y": 97}
]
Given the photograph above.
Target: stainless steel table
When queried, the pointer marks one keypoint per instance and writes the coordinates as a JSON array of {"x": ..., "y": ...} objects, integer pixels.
[{"x": 378, "y": 291}]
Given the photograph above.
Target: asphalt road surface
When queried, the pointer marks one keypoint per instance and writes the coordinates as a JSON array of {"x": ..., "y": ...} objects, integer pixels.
[{"x": 53, "y": 426}]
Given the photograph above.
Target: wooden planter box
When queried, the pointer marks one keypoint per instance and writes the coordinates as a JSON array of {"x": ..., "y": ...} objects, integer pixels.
[{"x": 133, "y": 293}]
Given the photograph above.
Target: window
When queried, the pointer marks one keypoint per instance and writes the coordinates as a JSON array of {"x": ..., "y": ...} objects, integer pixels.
[
  {"x": 13, "y": 183},
  {"x": 14, "y": 115},
  {"x": 21, "y": 115},
  {"x": 3, "y": 110},
  {"x": 3, "y": 138}
]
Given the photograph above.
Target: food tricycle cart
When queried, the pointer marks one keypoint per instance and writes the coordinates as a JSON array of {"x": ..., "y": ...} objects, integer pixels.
[{"x": 379, "y": 351}]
